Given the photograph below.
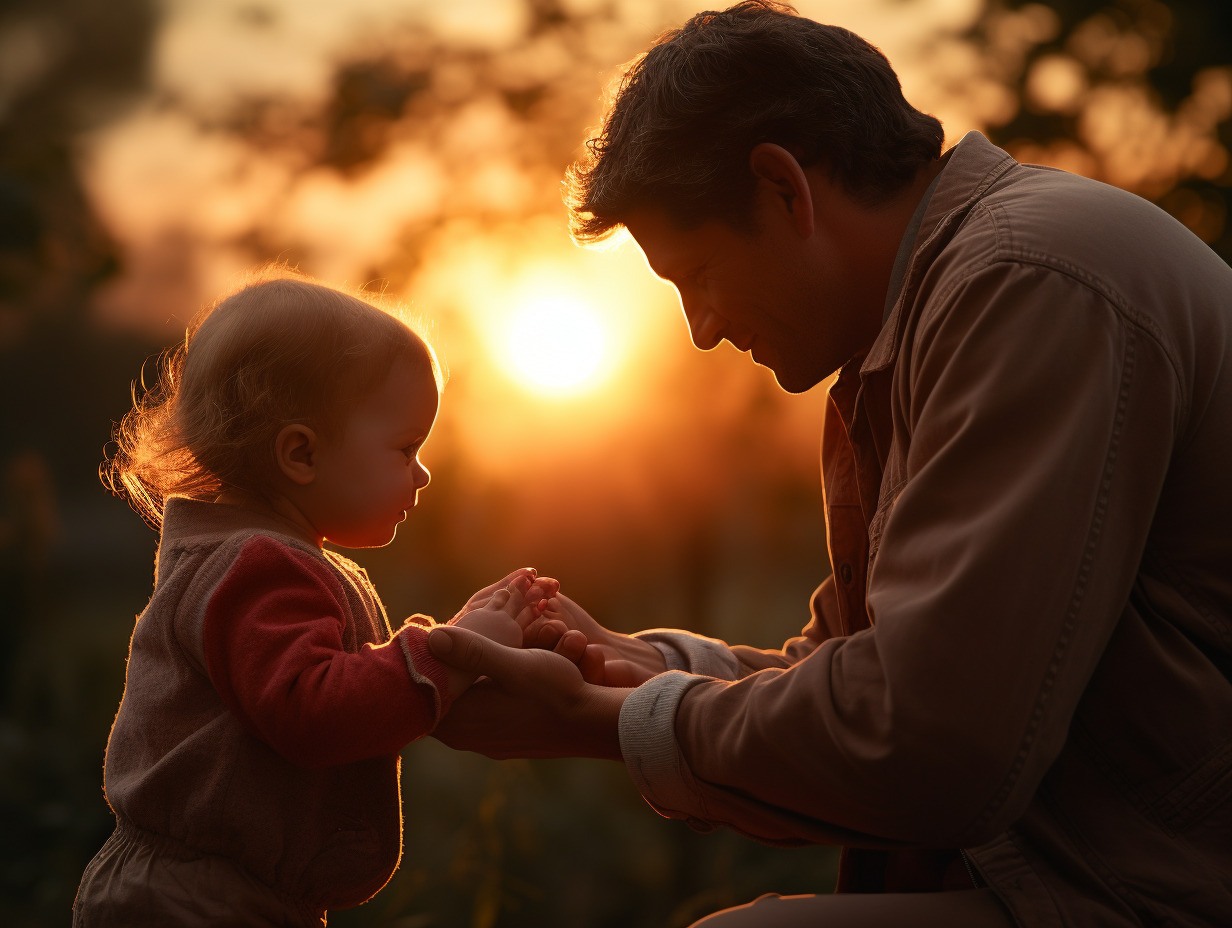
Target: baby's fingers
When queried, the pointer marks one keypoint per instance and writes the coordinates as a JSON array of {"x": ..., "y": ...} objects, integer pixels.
[
  {"x": 541, "y": 596},
  {"x": 511, "y": 598},
  {"x": 482, "y": 598},
  {"x": 547, "y": 587},
  {"x": 540, "y": 610},
  {"x": 526, "y": 617}
]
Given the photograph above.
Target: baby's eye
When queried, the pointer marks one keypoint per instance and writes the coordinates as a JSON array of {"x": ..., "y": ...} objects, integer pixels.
[{"x": 410, "y": 451}]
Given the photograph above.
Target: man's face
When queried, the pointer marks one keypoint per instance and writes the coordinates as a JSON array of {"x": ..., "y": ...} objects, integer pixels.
[{"x": 781, "y": 297}]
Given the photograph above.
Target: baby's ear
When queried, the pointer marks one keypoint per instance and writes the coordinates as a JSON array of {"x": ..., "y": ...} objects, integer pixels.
[{"x": 295, "y": 451}]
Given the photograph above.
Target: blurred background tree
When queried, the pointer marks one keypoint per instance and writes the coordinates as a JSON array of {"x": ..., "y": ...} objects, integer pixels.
[
  {"x": 151, "y": 151},
  {"x": 1135, "y": 93}
]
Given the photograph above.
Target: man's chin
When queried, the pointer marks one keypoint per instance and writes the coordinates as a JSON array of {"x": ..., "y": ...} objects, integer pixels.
[{"x": 796, "y": 381}]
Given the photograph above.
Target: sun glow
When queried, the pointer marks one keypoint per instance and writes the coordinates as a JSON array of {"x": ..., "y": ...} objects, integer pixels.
[{"x": 556, "y": 345}]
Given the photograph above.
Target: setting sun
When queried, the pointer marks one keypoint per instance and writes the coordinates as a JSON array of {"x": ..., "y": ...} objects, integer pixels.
[{"x": 556, "y": 345}]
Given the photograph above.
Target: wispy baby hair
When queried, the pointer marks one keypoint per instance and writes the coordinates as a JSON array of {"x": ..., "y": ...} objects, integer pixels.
[{"x": 279, "y": 350}]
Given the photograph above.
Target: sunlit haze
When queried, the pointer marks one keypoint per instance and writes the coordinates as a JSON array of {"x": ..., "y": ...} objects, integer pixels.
[
  {"x": 419, "y": 149},
  {"x": 556, "y": 344}
]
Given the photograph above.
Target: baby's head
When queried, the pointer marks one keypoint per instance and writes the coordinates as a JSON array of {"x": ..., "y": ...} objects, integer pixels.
[{"x": 287, "y": 392}]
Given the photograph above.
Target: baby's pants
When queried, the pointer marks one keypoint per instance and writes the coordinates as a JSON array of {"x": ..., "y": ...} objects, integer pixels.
[{"x": 140, "y": 879}]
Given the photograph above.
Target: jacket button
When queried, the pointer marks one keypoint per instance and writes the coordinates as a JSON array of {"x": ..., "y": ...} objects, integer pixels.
[{"x": 844, "y": 572}]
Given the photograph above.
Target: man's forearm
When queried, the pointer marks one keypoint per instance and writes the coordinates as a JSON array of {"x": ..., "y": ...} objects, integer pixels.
[{"x": 488, "y": 721}]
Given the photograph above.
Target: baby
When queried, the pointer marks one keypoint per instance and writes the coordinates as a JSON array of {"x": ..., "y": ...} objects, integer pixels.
[{"x": 253, "y": 764}]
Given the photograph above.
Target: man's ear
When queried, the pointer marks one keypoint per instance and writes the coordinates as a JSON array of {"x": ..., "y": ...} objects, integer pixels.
[
  {"x": 295, "y": 451},
  {"x": 777, "y": 169}
]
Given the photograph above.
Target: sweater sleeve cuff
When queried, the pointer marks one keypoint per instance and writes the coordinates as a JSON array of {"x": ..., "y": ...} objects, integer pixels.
[
  {"x": 424, "y": 669},
  {"x": 651, "y": 752},
  {"x": 693, "y": 653}
]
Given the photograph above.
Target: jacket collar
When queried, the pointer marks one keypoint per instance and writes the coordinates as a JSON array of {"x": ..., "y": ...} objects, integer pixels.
[{"x": 971, "y": 168}]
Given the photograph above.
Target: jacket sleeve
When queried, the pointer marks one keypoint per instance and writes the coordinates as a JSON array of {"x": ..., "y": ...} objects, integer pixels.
[
  {"x": 698, "y": 654},
  {"x": 1041, "y": 421},
  {"x": 274, "y": 651}
]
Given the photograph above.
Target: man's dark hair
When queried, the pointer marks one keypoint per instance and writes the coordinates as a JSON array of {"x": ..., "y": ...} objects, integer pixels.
[{"x": 689, "y": 111}]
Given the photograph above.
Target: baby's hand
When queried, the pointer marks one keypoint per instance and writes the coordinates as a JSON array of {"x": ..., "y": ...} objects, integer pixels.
[
  {"x": 540, "y": 592},
  {"x": 494, "y": 621},
  {"x": 552, "y": 629},
  {"x": 502, "y": 618},
  {"x": 540, "y": 598},
  {"x": 549, "y": 627},
  {"x": 536, "y": 595}
]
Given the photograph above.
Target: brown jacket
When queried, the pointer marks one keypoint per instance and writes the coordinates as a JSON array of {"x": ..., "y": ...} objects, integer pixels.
[{"x": 1025, "y": 648}]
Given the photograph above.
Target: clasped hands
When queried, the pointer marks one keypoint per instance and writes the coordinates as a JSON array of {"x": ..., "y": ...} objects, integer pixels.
[{"x": 557, "y": 692}]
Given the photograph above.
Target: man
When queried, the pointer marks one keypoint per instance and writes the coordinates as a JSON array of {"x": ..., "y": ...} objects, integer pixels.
[{"x": 1015, "y": 686}]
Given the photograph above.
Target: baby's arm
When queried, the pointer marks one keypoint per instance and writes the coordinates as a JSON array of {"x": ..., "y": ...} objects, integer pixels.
[
  {"x": 272, "y": 642},
  {"x": 272, "y": 637}
]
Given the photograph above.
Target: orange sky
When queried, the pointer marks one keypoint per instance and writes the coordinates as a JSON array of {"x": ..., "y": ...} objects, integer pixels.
[
  {"x": 186, "y": 197},
  {"x": 459, "y": 214}
]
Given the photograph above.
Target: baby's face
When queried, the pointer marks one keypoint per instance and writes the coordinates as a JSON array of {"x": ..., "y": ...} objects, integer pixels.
[{"x": 368, "y": 477}]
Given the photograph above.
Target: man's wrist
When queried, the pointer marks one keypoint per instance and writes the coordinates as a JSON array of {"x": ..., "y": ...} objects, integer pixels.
[{"x": 597, "y": 729}]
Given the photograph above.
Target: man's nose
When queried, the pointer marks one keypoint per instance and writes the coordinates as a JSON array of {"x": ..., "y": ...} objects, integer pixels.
[{"x": 705, "y": 328}]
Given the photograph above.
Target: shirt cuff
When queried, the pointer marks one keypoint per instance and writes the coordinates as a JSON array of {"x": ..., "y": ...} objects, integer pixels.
[
  {"x": 693, "y": 653},
  {"x": 651, "y": 752}
]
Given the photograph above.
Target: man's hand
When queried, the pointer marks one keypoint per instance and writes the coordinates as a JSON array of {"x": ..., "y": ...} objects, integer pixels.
[
  {"x": 534, "y": 704},
  {"x": 604, "y": 657}
]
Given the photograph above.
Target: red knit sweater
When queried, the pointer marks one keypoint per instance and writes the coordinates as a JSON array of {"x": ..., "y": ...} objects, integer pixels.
[{"x": 274, "y": 651}]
